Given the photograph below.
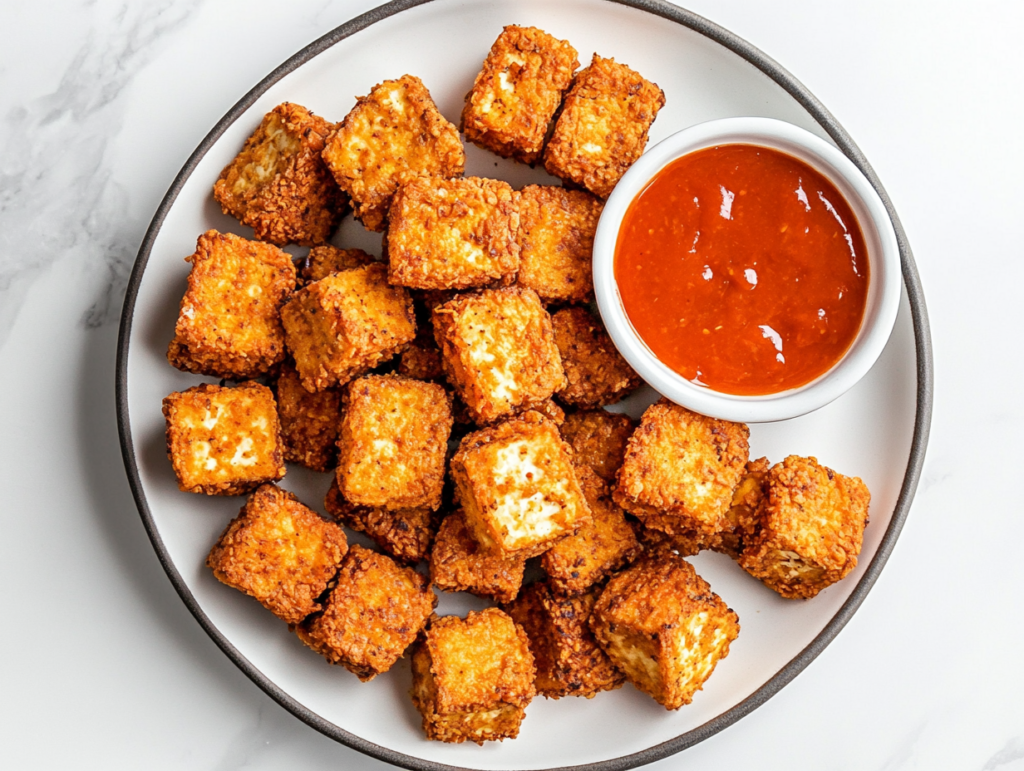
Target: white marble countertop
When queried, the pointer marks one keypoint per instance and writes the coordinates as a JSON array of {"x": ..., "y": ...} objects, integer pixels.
[{"x": 101, "y": 102}]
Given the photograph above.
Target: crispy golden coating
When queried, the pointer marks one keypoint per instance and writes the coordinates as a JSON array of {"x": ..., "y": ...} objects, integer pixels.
[
  {"x": 279, "y": 552},
  {"x": 371, "y": 616},
  {"x": 472, "y": 678},
  {"x": 223, "y": 441},
  {"x": 498, "y": 350},
  {"x": 422, "y": 359},
  {"x": 685, "y": 544},
  {"x": 556, "y": 242},
  {"x": 517, "y": 92},
  {"x": 660, "y": 623},
  {"x": 394, "y": 436},
  {"x": 602, "y": 128},
  {"x": 579, "y": 561},
  {"x": 309, "y": 422},
  {"x": 342, "y": 325},
  {"x": 595, "y": 372},
  {"x": 811, "y": 528},
  {"x": 324, "y": 260},
  {"x": 459, "y": 564},
  {"x": 405, "y": 534},
  {"x": 278, "y": 184},
  {"x": 549, "y": 410},
  {"x": 568, "y": 659},
  {"x": 518, "y": 487},
  {"x": 681, "y": 469},
  {"x": 389, "y": 138},
  {"x": 229, "y": 325},
  {"x": 599, "y": 439},
  {"x": 453, "y": 233}
]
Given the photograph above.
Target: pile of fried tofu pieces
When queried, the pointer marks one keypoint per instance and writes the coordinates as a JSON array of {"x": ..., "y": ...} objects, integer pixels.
[{"x": 455, "y": 391}]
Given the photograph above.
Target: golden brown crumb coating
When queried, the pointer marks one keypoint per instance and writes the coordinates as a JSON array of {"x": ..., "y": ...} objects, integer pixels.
[
  {"x": 324, "y": 260},
  {"x": 459, "y": 564},
  {"x": 550, "y": 410},
  {"x": 599, "y": 439},
  {"x": 421, "y": 360},
  {"x": 309, "y": 422},
  {"x": 595, "y": 372},
  {"x": 279, "y": 552}
]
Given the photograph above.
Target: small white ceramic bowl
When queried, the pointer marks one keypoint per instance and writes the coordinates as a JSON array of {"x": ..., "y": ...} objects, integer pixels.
[{"x": 883, "y": 257}]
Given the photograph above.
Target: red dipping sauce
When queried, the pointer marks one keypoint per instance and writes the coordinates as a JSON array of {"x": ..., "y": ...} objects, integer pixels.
[{"x": 743, "y": 269}]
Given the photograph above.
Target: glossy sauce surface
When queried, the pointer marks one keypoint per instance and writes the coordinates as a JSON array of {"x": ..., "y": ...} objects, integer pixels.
[{"x": 743, "y": 269}]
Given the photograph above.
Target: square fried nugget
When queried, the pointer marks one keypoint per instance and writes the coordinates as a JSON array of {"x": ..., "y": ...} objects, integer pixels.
[
  {"x": 681, "y": 469},
  {"x": 224, "y": 441},
  {"x": 472, "y": 678},
  {"x": 595, "y": 371},
  {"x": 518, "y": 487},
  {"x": 498, "y": 350},
  {"x": 660, "y": 623},
  {"x": 394, "y": 436},
  {"x": 517, "y": 92},
  {"x": 421, "y": 360},
  {"x": 342, "y": 325},
  {"x": 324, "y": 260},
  {"x": 371, "y": 616},
  {"x": 389, "y": 138},
  {"x": 309, "y": 422},
  {"x": 405, "y": 534},
  {"x": 229, "y": 325},
  {"x": 279, "y": 185},
  {"x": 556, "y": 242},
  {"x": 811, "y": 528},
  {"x": 602, "y": 128},
  {"x": 579, "y": 561},
  {"x": 459, "y": 564},
  {"x": 568, "y": 659},
  {"x": 453, "y": 233},
  {"x": 279, "y": 552},
  {"x": 598, "y": 438}
]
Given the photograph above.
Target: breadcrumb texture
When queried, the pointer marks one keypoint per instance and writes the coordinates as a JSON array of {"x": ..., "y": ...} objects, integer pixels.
[
  {"x": 599, "y": 439},
  {"x": 681, "y": 469},
  {"x": 518, "y": 487},
  {"x": 422, "y": 359},
  {"x": 472, "y": 678},
  {"x": 392, "y": 136},
  {"x": 811, "y": 528},
  {"x": 603, "y": 125},
  {"x": 279, "y": 552},
  {"x": 223, "y": 441},
  {"x": 517, "y": 92},
  {"x": 498, "y": 350},
  {"x": 344, "y": 324},
  {"x": 556, "y": 242},
  {"x": 278, "y": 184},
  {"x": 595, "y": 372},
  {"x": 324, "y": 260},
  {"x": 229, "y": 323},
  {"x": 309, "y": 422},
  {"x": 660, "y": 623},
  {"x": 453, "y": 233},
  {"x": 568, "y": 659},
  {"x": 372, "y": 615},
  {"x": 459, "y": 564}
]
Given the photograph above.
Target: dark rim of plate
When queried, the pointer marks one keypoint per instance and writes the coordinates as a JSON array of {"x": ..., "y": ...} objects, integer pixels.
[{"x": 922, "y": 423}]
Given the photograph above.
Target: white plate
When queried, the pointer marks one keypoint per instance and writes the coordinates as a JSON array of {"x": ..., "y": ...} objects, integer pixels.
[{"x": 877, "y": 431}]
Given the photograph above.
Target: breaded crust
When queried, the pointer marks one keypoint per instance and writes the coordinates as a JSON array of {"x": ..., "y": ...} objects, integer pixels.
[
  {"x": 229, "y": 324},
  {"x": 324, "y": 260},
  {"x": 459, "y": 564},
  {"x": 599, "y": 439},
  {"x": 421, "y": 360},
  {"x": 390, "y": 137},
  {"x": 595, "y": 372},
  {"x": 309, "y": 422},
  {"x": 279, "y": 552}
]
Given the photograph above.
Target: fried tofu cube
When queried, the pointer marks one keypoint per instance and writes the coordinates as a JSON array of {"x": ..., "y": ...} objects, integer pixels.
[
  {"x": 599, "y": 439},
  {"x": 342, "y": 325},
  {"x": 681, "y": 469},
  {"x": 579, "y": 561},
  {"x": 223, "y": 441},
  {"x": 556, "y": 242},
  {"x": 811, "y": 527},
  {"x": 309, "y": 422},
  {"x": 405, "y": 534},
  {"x": 472, "y": 678},
  {"x": 518, "y": 487},
  {"x": 595, "y": 372},
  {"x": 278, "y": 184},
  {"x": 568, "y": 659},
  {"x": 742, "y": 520},
  {"x": 517, "y": 92},
  {"x": 279, "y": 552},
  {"x": 374, "y": 612},
  {"x": 602, "y": 128},
  {"x": 498, "y": 350},
  {"x": 421, "y": 360},
  {"x": 391, "y": 137},
  {"x": 324, "y": 260},
  {"x": 660, "y": 623},
  {"x": 459, "y": 564},
  {"x": 453, "y": 233},
  {"x": 394, "y": 436},
  {"x": 229, "y": 324}
]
